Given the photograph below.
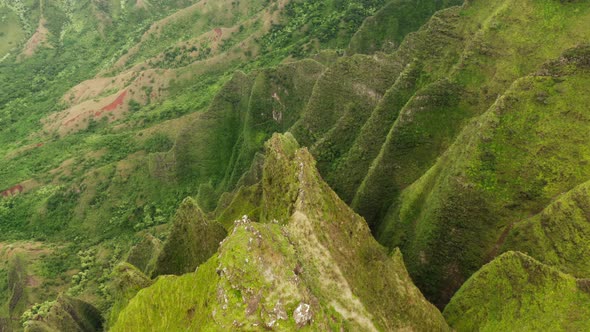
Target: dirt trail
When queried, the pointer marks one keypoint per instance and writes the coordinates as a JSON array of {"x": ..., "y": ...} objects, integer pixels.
[{"x": 37, "y": 39}]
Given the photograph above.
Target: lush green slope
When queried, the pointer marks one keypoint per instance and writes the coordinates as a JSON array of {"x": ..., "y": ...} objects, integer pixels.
[
  {"x": 496, "y": 173},
  {"x": 314, "y": 264},
  {"x": 558, "y": 235},
  {"x": 457, "y": 142},
  {"x": 125, "y": 282},
  {"x": 84, "y": 146},
  {"x": 385, "y": 30},
  {"x": 485, "y": 46},
  {"x": 516, "y": 292}
]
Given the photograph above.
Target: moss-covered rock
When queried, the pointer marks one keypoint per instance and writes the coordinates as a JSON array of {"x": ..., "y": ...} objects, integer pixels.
[
  {"x": 516, "y": 292},
  {"x": 192, "y": 241},
  {"x": 313, "y": 265}
]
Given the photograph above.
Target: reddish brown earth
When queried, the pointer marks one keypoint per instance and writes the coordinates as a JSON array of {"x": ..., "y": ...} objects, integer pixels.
[
  {"x": 118, "y": 102},
  {"x": 12, "y": 191},
  {"x": 218, "y": 34},
  {"x": 112, "y": 106},
  {"x": 37, "y": 39}
]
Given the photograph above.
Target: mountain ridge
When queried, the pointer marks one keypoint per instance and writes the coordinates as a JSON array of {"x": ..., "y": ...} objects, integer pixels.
[{"x": 455, "y": 129}]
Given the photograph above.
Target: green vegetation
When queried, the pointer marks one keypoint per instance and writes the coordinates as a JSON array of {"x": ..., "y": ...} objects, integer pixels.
[
  {"x": 125, "y": 282},
  {"x": 558, "y": 236},
  {"x": 145, "y": 253},
  {"x": 387, "y": 28},
  {"x": 498, "y": 174},
  {"x": 16, "y": 284},
  {"x": 11, "y": 33},
  {"x": 65, "y": 314},
  {"x": 515, "y": 290},
  {"x": 192, "y": 241},
  {"x": 139, "y": 131}
]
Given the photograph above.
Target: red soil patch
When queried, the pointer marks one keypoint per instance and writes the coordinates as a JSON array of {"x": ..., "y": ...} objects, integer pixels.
[
  {"x": 12, "y": 191},
  {"x": 118, "y": 102},
  {"x": 218, "y": 33},
  {"x": 112, "y": 106}
]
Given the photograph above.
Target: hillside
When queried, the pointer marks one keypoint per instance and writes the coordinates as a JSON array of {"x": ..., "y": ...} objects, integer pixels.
[
  {"x": 516, "y": 290},
  {"x": 134, "y": 133}
]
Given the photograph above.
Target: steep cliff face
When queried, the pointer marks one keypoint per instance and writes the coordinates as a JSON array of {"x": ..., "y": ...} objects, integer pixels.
[
  {"x": 313, "y": 263},
  {"x": 113, "y": 112}
]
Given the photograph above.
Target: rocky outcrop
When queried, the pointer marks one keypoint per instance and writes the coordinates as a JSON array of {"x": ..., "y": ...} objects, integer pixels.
[{"x": 313, "y": 262}]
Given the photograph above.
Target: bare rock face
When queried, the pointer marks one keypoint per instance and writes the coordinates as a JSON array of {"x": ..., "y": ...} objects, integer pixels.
[{"x": 303, "y": 315}]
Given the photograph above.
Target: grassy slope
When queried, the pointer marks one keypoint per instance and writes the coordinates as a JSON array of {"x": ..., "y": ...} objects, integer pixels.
[
  {"x": 68, "y": 314},
  {"x": 143, "y": 255},
  {"x": 215, "y": 150},
  {"x": 433, "y": 111},
  {"x": 31, "y": 272},
  {"x": 98, "y": 178},
  {"x": 126, "y": 281},
  {"x": 373, "y": 136},
  {"x": 515, "y": 290},
  {"x": 558, "y": 236},
  {"x": 263, "y": 272},
  {"x": 10, "y": 31},
  {"x": 341, "y": 101},
  {"x": 346, "y": 139}
]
